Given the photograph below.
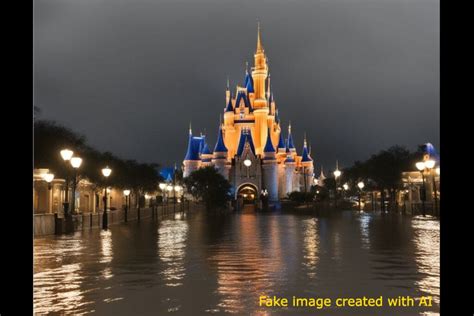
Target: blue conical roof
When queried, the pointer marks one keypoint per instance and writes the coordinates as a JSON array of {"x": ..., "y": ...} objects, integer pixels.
[
  {"x": 268, "y": 145},
  {"x": 245, "y": 136},
  {"x": 430, "y": 150},
  {"x": 305, "y": 155},
  {"x": 248, "y": 82},
  {"x": 281, "y": 142},
  {"x": 220, "y": 146},
  {"x": 194, "y": 147},
  {"x": 205, "y": 149},
  {"x": 291, "y": 145}
]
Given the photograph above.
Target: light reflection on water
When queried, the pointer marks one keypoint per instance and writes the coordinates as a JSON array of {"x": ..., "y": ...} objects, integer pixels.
[{"x": 199, "y": 264}]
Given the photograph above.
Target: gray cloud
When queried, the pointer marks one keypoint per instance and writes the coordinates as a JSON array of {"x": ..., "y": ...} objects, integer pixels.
[{"x": 357, "y": 76}]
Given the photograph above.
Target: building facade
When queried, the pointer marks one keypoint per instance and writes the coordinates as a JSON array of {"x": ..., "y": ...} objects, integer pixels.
[{"x": 251, "y": 151}]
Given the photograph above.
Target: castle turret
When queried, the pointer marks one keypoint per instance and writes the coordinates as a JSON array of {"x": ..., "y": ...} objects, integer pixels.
[
  {"x": 192, "y": 160},
  {"x": 307, "y": 168},
  {"x": 270, "y": 171},
  {"x": 261, "y": 109},
  {"x": 219, "y": 159}
]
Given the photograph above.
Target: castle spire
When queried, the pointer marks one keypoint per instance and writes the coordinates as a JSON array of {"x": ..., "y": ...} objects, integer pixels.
[
  {"x": 190, "y": 129},
  {"x": 259, "y": 42},
  {"x": 228, "y": 82}
]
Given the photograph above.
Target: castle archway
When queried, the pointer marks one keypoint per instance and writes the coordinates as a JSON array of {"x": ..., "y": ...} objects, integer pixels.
[{"x": 247, "y": 193}]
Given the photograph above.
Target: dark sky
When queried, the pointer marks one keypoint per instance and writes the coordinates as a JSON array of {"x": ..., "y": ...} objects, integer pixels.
[{"x": 358, "y": 76}]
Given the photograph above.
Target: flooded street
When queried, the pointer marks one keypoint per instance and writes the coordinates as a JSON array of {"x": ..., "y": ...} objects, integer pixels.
[{"x": 199, "y": 264}]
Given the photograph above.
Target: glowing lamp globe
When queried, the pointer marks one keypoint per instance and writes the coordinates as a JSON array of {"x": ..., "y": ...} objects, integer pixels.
[
  {"x": 361, "y": 185},
  {"x": 66, "y": 154},
  {"x": 345, "y": 186},
  {"x": 162, "y": 186},
  {"x": 430, "y": 164},
  {"x": 169, "y": 188},
  {"x": 420, "y": 165},
  {"x": 76, "y": 162},
  {"x": 106, "y": 171},
  {"x": 337, "y": 173},
  {"x": 48, "y": 177},
  {"x": 126, "y": 192}
]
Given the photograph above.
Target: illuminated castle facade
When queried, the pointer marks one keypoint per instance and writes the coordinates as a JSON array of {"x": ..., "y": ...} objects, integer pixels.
[{"x": 251, "y": 151}]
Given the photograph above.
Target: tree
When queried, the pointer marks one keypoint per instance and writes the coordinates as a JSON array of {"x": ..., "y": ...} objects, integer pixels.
[
  {"x": 208, "y": 185},
  {"x": 50, "y": 138}
]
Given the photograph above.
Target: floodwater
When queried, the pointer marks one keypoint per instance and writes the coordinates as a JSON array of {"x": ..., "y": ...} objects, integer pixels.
[{"x": 196, "y": 264}]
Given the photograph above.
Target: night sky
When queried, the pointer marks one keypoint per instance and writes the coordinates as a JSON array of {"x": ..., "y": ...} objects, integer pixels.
[{"x": 356, "y": 76}]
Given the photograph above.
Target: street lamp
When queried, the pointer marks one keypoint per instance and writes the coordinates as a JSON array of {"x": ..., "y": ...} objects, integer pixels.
[
  {"x": 337, "y": 174},
  {"x": 345, "y": 186},
  {"x": 360, "y": 185},
  {"x": 106, "y": 173},
  {"x": 126, "y": 193},
  {"x": 76, "y": 162},
  {"x": 429, "y": 164},
  {"x": 421, "y": 167},
  {"x": 48, "y": 177},
  {"x": 66, "y": 155}
]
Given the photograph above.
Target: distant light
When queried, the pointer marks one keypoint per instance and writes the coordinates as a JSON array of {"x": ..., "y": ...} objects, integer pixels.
[
  {"x": 316, "y": 181},
  {"x": 108, "y": 190},
  {"x": 126, "y": 192},
  {"x": 430, "y": 163},
  {"x": 48, "y": 177},
  {"x": 437, "y": 171},
  {"x": 147, "y": 196},
  {"x": 337, "y": 173},
  {"x": 162, "y": 186},
  {"x": 345, "y": 186},
  {"x": 247, "y": 162},
  {"x": 361, "y": 185},
  {"x": 106, "y": 171},
  {"x": 66, "y": 154},
  {"x": 317, "y": 192},
  {"x": 420, "y": 165},
  {"x": 177, "y": 188},
  {"x": 76, "y": 162},
  {"x": 169, "y": 188}
]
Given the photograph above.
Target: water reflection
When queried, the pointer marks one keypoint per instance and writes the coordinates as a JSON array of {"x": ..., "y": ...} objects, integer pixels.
[
  {"x": 311, "y": 243},
  {"x": 196, "y": 264},
  {"x": 364, "y": 221},
  {"x": 107, "y": 253},
  {"x": 172, "y": 236},
  {"x": 427, "y": 255}
]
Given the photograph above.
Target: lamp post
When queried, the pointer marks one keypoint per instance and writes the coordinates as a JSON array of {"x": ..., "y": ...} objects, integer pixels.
[
  {"x": 421, "y": 167},
  {"x": 360, "y": 185},
  {"x": 106, "y": 173},
  {"x": 76, "y": 162},
  {"x": 66, "y": 155},
  {"x": 345, "y": 186},
  {"x": 337, "y": 174},
  {"x": 126, "y": 193}
]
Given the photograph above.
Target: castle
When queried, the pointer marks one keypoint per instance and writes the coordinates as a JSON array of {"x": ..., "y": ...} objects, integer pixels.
[{"x": 251, "y": 151}]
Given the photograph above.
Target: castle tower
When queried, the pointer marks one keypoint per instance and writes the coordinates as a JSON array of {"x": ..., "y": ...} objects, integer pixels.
[
  {"x": 307, "y": 168},
  {"x": 192, "y": 161},
  {"x": 219, "y": 159},
  {"x": 260, "y": 104},
  {"x": 270, "y": 172}
]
